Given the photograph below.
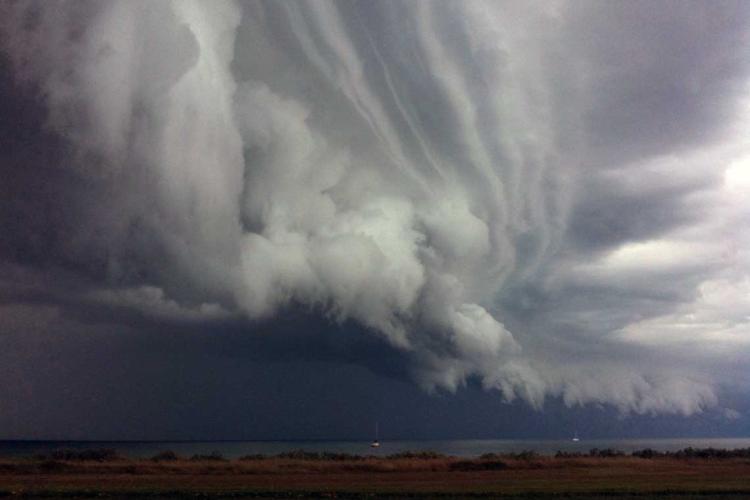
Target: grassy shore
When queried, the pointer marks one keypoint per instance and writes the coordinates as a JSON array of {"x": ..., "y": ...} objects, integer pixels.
[{"x": 600, "y": 474}]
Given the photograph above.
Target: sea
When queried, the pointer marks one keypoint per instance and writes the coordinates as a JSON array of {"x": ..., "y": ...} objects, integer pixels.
[{"x": 459, "y": 448}]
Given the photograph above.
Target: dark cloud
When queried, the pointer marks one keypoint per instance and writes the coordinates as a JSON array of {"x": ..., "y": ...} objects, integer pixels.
[
  {"x": 523, "y": 198},
  {"x": 663, "y": 76}
]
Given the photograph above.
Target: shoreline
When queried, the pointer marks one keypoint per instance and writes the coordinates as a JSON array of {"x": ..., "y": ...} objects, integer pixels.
[{"x": 462, "y": 448}]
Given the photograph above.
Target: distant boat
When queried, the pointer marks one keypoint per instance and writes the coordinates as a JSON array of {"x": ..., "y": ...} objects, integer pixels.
[
  {"x": 375, "y": 443},
  {"x": 575, "y": 437}
]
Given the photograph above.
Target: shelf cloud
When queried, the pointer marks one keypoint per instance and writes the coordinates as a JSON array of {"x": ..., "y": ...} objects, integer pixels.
[{"x": 546, "y": 198}]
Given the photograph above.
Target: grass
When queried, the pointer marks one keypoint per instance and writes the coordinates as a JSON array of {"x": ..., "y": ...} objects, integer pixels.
[{"x": 598, "y": 474}]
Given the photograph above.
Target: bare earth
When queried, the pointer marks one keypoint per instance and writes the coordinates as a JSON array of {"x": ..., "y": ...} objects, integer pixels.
[{"x": 540, "y": 477}]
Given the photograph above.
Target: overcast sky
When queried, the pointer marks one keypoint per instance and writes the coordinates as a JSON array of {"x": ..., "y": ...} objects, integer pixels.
[{"x": 288, "y": 219}]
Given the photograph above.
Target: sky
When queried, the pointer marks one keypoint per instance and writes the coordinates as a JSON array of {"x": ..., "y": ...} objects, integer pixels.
[{"x": 286, "y": 220}]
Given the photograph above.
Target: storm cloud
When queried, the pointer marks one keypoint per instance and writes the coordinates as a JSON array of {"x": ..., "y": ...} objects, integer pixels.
[{"x": 546, "y": 198}]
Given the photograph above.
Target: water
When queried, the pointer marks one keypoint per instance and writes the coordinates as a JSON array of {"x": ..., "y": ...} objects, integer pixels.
[{"x": 461, "y": 448}]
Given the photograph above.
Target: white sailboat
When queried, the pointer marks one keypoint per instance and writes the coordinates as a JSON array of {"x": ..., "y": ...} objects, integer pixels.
[
  {"x": 375, "y": 443},
  {"x": 575, "y": 437}
]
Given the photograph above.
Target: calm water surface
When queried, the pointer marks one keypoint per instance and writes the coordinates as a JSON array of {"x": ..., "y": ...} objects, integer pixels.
[{"x": 464, "y": 448}]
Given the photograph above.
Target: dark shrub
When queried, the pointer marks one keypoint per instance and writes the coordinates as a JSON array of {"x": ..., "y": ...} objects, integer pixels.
[
  {"x": 311, "y": 455},
  {"x": 711, "y": 453},
  {"x": 300, "y": 455},
  {"x": 340, "y": 456},
  {"x": 100, "y": 455},
  {"x": 419, "y": 455},
  {"x": 253, "y": 457},
  {"x": 647, "y": 453},
  {"x": 694, "y": 453},
  {"x": 214, "y": 456},
  {"x": 471, "y": 465},
  {"x": 164, "y": 456},
  {"x": 525, "y": 455},
  {"x": 605, "y": 453}
]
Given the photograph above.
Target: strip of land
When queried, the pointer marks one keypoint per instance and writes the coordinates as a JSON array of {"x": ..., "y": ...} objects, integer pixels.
[{"x": 292, "y": 475}]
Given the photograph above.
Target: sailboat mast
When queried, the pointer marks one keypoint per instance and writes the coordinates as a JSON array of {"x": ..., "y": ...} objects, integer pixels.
[{"x": 376, "y": 443}]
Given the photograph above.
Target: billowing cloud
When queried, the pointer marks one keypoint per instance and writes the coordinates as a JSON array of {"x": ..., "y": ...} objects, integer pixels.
[{"x": 531, "y": 195}]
